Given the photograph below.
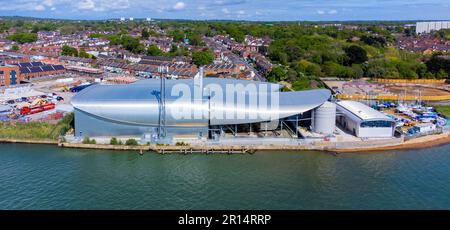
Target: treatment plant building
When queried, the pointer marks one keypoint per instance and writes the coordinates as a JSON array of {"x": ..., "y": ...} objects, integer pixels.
[{"x": 143, "y": 109}]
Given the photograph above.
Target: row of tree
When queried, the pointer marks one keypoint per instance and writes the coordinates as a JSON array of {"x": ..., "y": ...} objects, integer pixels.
[
  {"x": 73, "y": 52},
  {"x": 23, "y": 38}
]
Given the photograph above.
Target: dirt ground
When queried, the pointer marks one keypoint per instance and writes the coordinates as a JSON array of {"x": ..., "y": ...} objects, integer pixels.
[{"x": 413, "y": 90}]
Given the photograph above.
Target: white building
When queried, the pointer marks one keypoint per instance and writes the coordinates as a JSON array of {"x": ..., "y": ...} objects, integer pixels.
[
  {"x": 426, "y": 127},
  {"x": 364, "y": 121},
  {"x": 427, "y": 27}
]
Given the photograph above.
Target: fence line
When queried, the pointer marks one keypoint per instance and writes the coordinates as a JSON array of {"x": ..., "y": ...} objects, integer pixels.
[
  {"x": 416, "y": 81},
  {"x": 432, "y": 132},
  {"x": 392, "y": 97}
]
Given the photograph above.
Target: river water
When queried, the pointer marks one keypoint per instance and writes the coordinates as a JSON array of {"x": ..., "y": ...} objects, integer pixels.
[{"x": 48, "y": 177}]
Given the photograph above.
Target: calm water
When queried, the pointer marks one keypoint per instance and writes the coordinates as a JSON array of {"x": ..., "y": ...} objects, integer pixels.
[{"x": 48, "y": 177}]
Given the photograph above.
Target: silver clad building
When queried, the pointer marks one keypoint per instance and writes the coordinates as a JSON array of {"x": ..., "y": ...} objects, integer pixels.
[{"x": 135, "y": 109}]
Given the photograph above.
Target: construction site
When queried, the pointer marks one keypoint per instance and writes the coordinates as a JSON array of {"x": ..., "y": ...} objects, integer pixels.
[{"x": 390, "y": 89}]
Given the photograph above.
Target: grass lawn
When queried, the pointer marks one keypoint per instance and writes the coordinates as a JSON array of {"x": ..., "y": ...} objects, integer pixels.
[
  {"x": 443, "y": 109},
  {"x": 35, "y": 130}
]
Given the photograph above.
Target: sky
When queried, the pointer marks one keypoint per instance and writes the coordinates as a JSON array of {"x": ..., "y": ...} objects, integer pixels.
[{"x": 256, "y": 10}]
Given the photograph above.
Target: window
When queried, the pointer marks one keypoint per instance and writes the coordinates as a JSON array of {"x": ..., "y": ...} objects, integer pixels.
[{"x": 376, "y": 124}]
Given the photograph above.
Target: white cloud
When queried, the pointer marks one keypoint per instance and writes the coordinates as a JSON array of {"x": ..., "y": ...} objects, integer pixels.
[
  {"x": 103, "y": 5},
  {"x": 241, "y": 12},
  {"x": 179, "y": 6},
  {"x": 323, "y": 12},
  {"x": 86, "y": 5},
  {"x": 48, "y": 3},
  {"x": 225, "y": 11},
  {"x": 39, "y": 8},
  {"x": 332, "y": 12}
]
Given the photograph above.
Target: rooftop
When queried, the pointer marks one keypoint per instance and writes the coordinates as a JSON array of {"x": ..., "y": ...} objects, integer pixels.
[{"x": 362, "y": 111}]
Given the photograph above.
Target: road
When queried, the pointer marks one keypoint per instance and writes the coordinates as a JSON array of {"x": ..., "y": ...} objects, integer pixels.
[{"x": 213, "y": 45}]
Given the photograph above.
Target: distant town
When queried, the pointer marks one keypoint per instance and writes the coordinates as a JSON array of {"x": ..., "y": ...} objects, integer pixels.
[{"x": 389, "y": 72}]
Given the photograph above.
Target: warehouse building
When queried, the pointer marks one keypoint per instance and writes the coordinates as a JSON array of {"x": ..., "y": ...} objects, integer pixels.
[
  {"x": 364, "y": 121},
  {"x": 428, "y": 27},
  {"x": 29, "y": 70},
  {"x": 16, "y": 73}
]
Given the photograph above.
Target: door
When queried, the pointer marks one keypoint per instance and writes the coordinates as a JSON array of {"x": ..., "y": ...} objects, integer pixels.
[{"x": 12, "y": 77}]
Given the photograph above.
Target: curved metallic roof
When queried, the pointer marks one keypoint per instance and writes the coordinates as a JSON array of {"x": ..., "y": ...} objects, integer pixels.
[{"x": 137, "y": 103}]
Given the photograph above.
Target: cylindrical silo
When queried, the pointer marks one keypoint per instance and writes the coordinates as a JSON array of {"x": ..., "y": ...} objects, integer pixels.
[{"x": 325, "y": 118}]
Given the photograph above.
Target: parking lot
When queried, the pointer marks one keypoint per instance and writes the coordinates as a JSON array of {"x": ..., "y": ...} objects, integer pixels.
[{"x": 45, "y": 100}]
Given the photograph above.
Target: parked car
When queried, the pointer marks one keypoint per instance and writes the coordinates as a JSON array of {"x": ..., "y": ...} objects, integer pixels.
[{"x": 77, "y": 89}]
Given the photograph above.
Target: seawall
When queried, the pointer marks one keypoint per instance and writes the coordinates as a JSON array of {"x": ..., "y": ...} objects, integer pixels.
[
  {"x": 28, "y": 141},
  {"x": 341, "y": 147}
]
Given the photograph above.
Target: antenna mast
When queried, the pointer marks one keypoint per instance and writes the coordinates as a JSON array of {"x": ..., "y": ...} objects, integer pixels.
[{"x": 162, "y": 103}]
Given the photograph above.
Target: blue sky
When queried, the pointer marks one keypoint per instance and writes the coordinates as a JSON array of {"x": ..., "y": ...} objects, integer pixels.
[{"x": 318, "y": 10}]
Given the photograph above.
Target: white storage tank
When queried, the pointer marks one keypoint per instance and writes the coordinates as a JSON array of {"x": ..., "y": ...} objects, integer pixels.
[{"x": 325, "y": 118}]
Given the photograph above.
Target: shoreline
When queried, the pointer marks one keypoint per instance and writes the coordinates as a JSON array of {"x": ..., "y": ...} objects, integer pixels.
[
  {"x": 28, "y": 141},
  {"x": 417, "y": 143}
]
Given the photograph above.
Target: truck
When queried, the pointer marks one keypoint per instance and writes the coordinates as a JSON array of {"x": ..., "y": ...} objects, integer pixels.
[{"x": 37, "y": 109}]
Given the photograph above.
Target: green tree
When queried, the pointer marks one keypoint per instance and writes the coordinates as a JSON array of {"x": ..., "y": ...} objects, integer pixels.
[
  {"x": 278, "y": 56},
  {"x": 438, "y": 63},
  {"x": 131, "y": 44},
  {"x": 23, "y": 38},
  {"x": 277, "y": 74},
  {"x": 145, "y": 34},
  {"x": 202, "y": 57},
  {"x": 356, "y": 55},
  {"x": 301, "y": 84},
  {"x": 177, "y": 35},
  {"x": 441, "y": 74},
  {"x": 308, "y": 68},
  {"x": 195, "y": 39},
  {"x": 15, "y": 48},
  {"x": 153, "y": 50},
  {"x": 405, "y": 70},
  {"x": 377, "y": 41},
  {"x": 83, "y": 54},
  {"x": 113, "y": 141},
  {"x": 69, "y": 51},
  {"x": 291, "y": 75},
  {"x": 131, "y": 142}
]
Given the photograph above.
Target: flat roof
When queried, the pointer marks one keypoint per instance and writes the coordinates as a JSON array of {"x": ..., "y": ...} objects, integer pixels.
[{"x": 363, "y": 111}]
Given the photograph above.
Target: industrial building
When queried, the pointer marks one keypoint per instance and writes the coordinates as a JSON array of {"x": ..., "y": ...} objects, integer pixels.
[
  {"x": 427, "y": 27},
  {"x": 29, "y": 70},
  {"x": 151, "y": 109},
  {"x": 14, "y": 74},
  {"x": 143, "y": 109},
  {"x": 363, "y": 121}
]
